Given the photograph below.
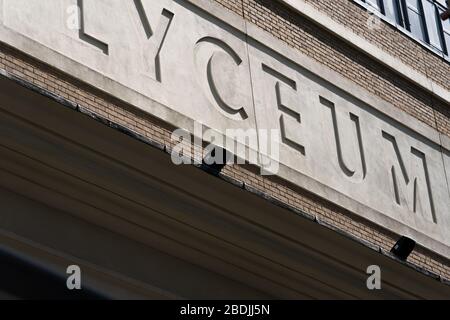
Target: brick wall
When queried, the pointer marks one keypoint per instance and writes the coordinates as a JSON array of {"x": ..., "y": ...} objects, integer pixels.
[
  {"x": 297, "y": 32},
  {"x": 350, "y": 14},
  {"x": 321, "y": 45}
]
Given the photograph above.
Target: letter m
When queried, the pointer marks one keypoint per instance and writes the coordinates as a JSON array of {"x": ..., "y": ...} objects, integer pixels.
[{"x": 410, "y": 182}]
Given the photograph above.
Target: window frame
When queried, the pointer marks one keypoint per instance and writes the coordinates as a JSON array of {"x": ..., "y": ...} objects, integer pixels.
[
  {"x": 444, "y": 31},
  {"x": 406, "y": 7},
  {"x": 400, "y": 24}
]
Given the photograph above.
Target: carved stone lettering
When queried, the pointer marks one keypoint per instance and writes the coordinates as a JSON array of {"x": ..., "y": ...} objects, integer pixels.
[
  {"x": 155, "y": 39},
  {"x": 349, "y": 142},
  {"x": 83, "y": 33},
  {"x": 223, "y": 76},
  {"x": 410, "y": 179},
  {"x": 184, "y": 62},
  {"x": 288, "y": 104}
]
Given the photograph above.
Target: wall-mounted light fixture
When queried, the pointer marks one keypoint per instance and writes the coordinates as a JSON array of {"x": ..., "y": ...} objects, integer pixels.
[
  {"x": 217, "y": 158},
  {"x": 403, "y": 248}
]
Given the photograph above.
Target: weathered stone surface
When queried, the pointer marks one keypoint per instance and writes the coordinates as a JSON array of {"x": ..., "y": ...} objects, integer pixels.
[{"x": 186, "y": 61}]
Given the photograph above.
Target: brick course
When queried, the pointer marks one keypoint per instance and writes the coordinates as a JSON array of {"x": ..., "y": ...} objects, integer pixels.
[
  {"x": 301, "y": 34},
  {"x": 350, "y": 14},
  {"x": 297, "y": 32}
]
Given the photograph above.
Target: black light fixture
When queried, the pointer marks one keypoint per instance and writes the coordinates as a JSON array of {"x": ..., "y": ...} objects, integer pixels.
[
  {"x": 216, "y": 159},
  {"x": 403, "y": 248}
]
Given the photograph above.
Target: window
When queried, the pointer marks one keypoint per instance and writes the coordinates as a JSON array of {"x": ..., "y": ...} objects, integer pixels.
[
  {"x": 432, "y": 23},
  {"x": 389, "y": 8},
  {"x": 419, "y": 18},
  {"x": 392, "y": 11},
  {"x": 445, "y": 33},
  {"x": 413, "y": 18},
  {"x": 375, "y": 4}
]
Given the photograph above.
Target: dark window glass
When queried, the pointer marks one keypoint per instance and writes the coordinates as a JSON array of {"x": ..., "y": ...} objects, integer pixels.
[
  {"x": 375, "y": 4},
  {"x": 445, "y": 33},
  {"x": 414, "y": 18},
  {"x": 420, "y": 17},
  {"x": 391, "y": 10},
  {"x": 433, "y": 24}
]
